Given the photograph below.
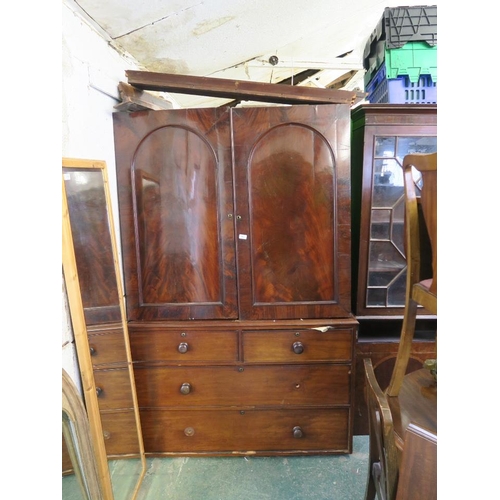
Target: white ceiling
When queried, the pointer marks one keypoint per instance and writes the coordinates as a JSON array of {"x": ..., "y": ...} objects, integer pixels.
[{"x": 236, "y": 38}]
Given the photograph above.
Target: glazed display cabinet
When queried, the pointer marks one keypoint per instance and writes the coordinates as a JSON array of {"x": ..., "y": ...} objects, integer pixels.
[{"x": 382, "y": 134}]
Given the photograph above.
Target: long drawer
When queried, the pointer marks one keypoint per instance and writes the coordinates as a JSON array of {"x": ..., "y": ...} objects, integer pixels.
[
  {"x": 297, "y": 346},
  {"x": 251, "y": 385},
  {"x": 246, "y": 431}
]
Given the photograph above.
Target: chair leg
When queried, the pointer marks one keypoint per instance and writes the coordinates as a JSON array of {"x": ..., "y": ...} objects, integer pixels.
[
  {"x": 370, "y": 491},
  {"x": 373, "y": 456},
  {"x": 405, "y": 343}
]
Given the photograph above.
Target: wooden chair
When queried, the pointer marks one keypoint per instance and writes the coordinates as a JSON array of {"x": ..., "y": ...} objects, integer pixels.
[
  {"x": 410, "y": 399},
  {"x": 383, "y": 460},
  {"x": 420, "y": 226}
]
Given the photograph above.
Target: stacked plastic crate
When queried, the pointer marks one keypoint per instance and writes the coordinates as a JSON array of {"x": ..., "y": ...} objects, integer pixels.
[{"x": 400, "y": 57}]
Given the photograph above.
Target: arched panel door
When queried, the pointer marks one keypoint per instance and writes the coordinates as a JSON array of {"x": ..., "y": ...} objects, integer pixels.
[
  {"x": 291, "y": 169},
  {"x": 175, "y": 195}
]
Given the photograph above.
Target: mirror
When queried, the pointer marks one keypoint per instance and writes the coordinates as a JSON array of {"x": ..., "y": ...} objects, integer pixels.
[
  {"x": 97, "y": 307},
  {"x": 76, "y": 435}
]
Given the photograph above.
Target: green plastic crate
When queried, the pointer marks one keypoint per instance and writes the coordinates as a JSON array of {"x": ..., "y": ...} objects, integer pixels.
[{"x": 412, "y": 59}]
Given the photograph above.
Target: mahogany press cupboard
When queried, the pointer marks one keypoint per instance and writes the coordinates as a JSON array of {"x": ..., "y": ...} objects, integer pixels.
[{"x": 235, "y": 229}]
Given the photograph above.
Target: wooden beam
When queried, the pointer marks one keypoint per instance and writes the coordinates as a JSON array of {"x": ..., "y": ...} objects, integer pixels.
[
  {"x": 237, "y": 89},
  {"x": 137, "y": 100}
]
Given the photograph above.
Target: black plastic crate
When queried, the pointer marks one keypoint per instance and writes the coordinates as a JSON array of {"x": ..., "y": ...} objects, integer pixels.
[
  {"x": 397, "y": 26},
  {"x": 410, "y": 24}
]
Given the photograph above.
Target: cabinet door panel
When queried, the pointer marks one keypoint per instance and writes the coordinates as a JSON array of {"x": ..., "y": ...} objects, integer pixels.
[
  {"x": 175, "y": 194},
  {"x": 292, "y": 195}
]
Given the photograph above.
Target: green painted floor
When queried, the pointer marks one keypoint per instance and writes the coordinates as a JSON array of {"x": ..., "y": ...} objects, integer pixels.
[{"x": 332, "y": 477}]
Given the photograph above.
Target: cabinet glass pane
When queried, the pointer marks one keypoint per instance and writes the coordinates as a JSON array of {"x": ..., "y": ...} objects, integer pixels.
[{"x": 386, "y": 280}]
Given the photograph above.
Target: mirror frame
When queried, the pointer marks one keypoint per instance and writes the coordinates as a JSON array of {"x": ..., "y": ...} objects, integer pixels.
[
  {"x": 81, "y": 337},
  {"x": 76, "y": 434}
]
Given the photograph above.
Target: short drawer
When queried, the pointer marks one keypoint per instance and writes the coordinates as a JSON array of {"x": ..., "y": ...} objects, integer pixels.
[
  {"x": 120, "y": 433},
  {"x": 108, "y": 347},
  {"x": 246, "y": 431},
  {"x": 113, "y": 388},
  {"x": 297, "y": 346},
  {"x": 183, "y": 345},
  {"x": 253, "y": 385}
]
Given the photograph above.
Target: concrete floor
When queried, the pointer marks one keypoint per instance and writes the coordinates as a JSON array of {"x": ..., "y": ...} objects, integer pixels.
[{"x": 332, "y": 477}]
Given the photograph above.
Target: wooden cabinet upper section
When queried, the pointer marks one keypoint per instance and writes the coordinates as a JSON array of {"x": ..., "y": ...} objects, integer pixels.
[{"x": 230, "y": 213}]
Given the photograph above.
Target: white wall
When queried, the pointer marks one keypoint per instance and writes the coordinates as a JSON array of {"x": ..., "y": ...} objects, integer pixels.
[{"x": 91, "y": 71}]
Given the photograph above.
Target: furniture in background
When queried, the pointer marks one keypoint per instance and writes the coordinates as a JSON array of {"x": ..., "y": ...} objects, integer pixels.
[
  {"x": 382, "y": 350},
  {"x": 235, "y": 230},
  {"x": 97, "y": 309},
  {"x": 382, "y": 134},
  {"x": 411, "y": 398},
  {"x": 421, "y": 227},
  {"x": 418, "y": 468},
  {"x": 402, "y": 459},
  {"x": 383, "y": 456}
]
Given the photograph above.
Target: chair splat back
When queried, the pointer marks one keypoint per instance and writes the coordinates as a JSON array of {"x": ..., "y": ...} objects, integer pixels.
[
  {"x": 421, "y": 288},
  {"x": 426, "y": 164}
]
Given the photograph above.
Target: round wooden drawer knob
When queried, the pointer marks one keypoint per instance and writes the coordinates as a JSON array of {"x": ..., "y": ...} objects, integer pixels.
[
  {"x": 297, "y": 432},
  {"x": 185, "y": 388},
  {"x": 298, "y": 347},
  {"x": 183, "y": 347}
]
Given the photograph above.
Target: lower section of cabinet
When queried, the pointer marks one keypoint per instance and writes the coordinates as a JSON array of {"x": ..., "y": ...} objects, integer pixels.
[
  {"x": 246, "y": 432},
  {"x": 245, "y": 387}
]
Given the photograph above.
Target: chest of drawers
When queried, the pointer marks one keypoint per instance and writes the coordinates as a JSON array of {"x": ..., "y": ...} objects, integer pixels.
[{"x": 260, "y": 388}]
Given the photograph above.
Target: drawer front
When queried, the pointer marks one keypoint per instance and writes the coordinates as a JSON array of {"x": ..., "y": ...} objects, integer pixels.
[
  {"x": 297, "y": 346},
  {"x": 120, "y": 435},
  {"x": 107, "y": 348},
  {"x": 184, "y": 345},
  {"x": 243, "y": 386},
  {"x": 246, "y": 432},
  {"x": 113, "y": 389}
]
